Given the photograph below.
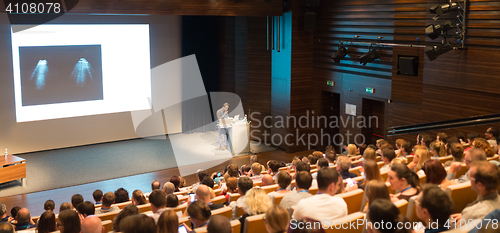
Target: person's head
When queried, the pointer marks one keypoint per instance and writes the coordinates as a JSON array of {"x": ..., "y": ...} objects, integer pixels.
[
  {"x": 203, "y": 193},
  {"x": 361, "y": 149},
  {"x": 400, "y": 176},
  {"x": 208, "y": 182},
  {"x": 471, "y": 137},
  {"x": 199, "y": 212},
  {"x": 138, "y": 197},
  {"x": 369, "y": 154},
  {"x": 3, "y": 210},
  {"x": 86, "y": 208},
  {"x": 176, "y": 181},
  {"x": 331, "y": 157},
  {"x": 405, "y": 147},
  {"x": 244, "y": 184},
  {"x": 492, "y": 133},
  {"x": 92, "y": 224},
  {"x": 484, "y": 177},
  {"x": 232, "y": 184},
  {"x": 277, "y": 219},
  {"x": 68, "y": 222},
  {"x": 200, "y": 175},
  {"x": 168, "y": 222},
  {"x": 49, "y": 205},
  {"x": 343, "y": 163},
  {"x": 97, "y": 195},
  {"x": 138, "y": 223},
  {"x": 388, "y": 155},
  {"x": 323, "y": 163},
  {"x": 312, "y": 159},
  {"x": 420, "y": 157},
  {"x": 383, "y": 212},
  {"x": 7, "y": 227},
  {"x": 301, "y": 166},
  {"x": 219, "y": 224},
  {"x": 76, "y": 199},
  {"x": 372, "y": 172},
  {"x": 172, "y": 201},
  {"x": 267, "y": 180},
  {"x": 128, "y": 210},
  {"x": 352, "y": 150},
  {"x": 284, "y": 179},
  {"x": 256, "y": 168},
  {"x": 457, "y": 151},
  {"x": 257, "y": 201},
  {"x": 225, "y": 106},
  {"x": 155, "y": 185},
  {"x": 437, "y": 148},
  {"x": 380, "y": 142},
  {"x": 157, "y": 199},
  {"x": 425, "y": 140},
  {"x": 273, "y": 166},
  {"x": 65, "y": 206},
  {"x": 23, "y": 216},
  {"x": 232, "y": 170},
  {"x": 484, "y": 145},
  {"x": 47, "y": 222},
  {"x": 245, "y": 169},
  {"x": 473, "y": 155},
  {"x": 327, "y": 180},
  {"x": 433, "y": 205},
  {"x": 434, "y": 172},
  {"x": 376, "y": 189},
  {"x": 168, "y": 188},
  {"x": 108, "y": 199},
  {"x": 442, "y": 137},
  {"x": 14, "y": 210},
  {"x": 303, "y": 180},
  {"x": 253, "y": 159}
]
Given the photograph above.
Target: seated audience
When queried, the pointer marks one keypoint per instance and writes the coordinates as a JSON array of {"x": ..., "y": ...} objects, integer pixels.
[
  {"x": 267, "y": 180},
  {"x": 257, "y": 202},
  {"x": 352, "y": 150},
  {"x": 322, "y": 163},
  {"x": 343, "y": 166},
  {"x": 371, "y": 173},
  {"x": 138, "y": 198},
  {"x": 176, "y": 181},
  {"x": 437, "y": 149},
  {"x": 331, "y": 157},
  {"x": 168, "y": 222},
  {"x": 284, "y": 180},
  {"x": 255, "y": 171},
  {"x": 277, "y": 219},
  {"x": 368, "y": 154},
  {"x": 107, "y": 200},
  {"x": 273, "y": 167},
  {"x": 6, "y": 227},
  {"x": 420, "y": 157},
  {"x": 85, "y": 209},
  {"x": 49, "y": 205},
  {"x": 319, "y": 206},
  {"x": 158, "y": 202},
  {"x": 492, "y": 135},
  {"x": 200, "y": 174},
  {"x": 154, "y": 185},
  {"x": 376, "y": 189},
  {"x": 219, "y": 224},
  {"x": 13, "y": 213},
  {"x": 92, "y": 224},
  {"x": 76, "y": 200},
  {"x": 383, "y": 213},
  {"x": 387, "y": 155},
  {"x": 121, "y": 195},
  {"x": 65, "y": 206},
  {"x": 313, "y": 159},
  {"x": 303, "y": 182},
  {"x": 3, "y": 214},
  {"x": 436, "y": 174},
  {"x": 128, "y": 210},
  {"x": 203, "y": 194},
  {"x": 245, "y": 170},
  {"x": 24, "y": 220},
  {"x": 481, "y": 143},
  {"x": 405, "y": 180},
  {"x": 472, "y": 155},
  {"x": 405, "y": 149},
  {"x": 426, "y": 140},
  {"x": 244, "y": 184},
  {"x": 470, "y": 139},
  {"x": 484, "y": 179},
  {"x": 68, "y": 222},
  {"x": 442, "y": 137},
  {"x": 172, "y": 201},
  {"x": 456, "y": 150},
  {"x": 138, "y": 223},
  {"x": 301, "y": 166},
  {"x": 199, "y": 212},
  {"x": 232, "y": 187},
  {"x": 97, "y": 195},
  {"x": 434, "y": 207}
]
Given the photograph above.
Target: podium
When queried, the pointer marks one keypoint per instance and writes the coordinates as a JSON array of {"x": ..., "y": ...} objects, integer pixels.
[{"x": 239, "y": 138}]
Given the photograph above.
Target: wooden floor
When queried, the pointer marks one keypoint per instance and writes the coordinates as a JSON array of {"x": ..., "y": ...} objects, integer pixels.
[{"x": 34, "y": 201}]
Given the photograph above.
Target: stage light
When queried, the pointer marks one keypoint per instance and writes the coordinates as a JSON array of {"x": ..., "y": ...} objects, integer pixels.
[
  {"x": 436, "y": 51},
  {"x": 82, "y": 72},
  {"x": 39, "y": 74},
  {"x": 433, "y": 31},
  {"x": 369, "y": 57},
  {"x": 442, "y": 9},
  {"x": 340, "y": 54}
]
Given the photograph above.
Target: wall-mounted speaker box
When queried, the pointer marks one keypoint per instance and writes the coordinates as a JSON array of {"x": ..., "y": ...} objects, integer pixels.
[
  {"x": 408, "y": 65},
  {"x": 310, "y": 21}
]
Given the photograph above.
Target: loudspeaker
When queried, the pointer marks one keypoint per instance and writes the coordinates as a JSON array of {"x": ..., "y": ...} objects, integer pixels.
[
  {"x": 310, "y": 21},
  {"x": 408, "y": 66}
]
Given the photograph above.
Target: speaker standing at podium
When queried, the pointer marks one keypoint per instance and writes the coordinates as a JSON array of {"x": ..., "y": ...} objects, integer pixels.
[{"x": 223, "y": 128}]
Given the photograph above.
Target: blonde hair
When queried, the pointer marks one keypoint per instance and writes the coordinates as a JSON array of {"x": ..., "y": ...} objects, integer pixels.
[
  {"x": 369, "y": 154},
  {"x": 257, "y": 201},
  {"x": 352, "y": 150},
  {"x": 439, "y": 148},
  {"x": 424, "y": 156},
  {"x": 277, "y": 218},
  {"x": 401, "y": 160}
]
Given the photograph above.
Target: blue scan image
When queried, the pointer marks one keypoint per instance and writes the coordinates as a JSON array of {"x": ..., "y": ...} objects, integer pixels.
[
  {"x": 39, "y": 74},
  {"x": 81, "y": 72}
]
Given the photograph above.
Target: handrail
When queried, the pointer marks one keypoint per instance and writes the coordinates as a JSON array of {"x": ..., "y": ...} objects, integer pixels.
[{"x": 438, "y": 125}]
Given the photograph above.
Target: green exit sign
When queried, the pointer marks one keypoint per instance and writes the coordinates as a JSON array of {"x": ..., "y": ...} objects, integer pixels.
[
  {"x": 370, "y": 90},
  {"x": 330, "y": 83}
]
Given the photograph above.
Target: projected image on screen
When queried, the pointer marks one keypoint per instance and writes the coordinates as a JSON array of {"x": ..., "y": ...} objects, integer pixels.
[{"x": 60, "y": 74}]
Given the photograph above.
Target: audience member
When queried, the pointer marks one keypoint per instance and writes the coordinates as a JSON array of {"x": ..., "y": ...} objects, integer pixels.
[
  {"x": 426, "y": 140},
  {"x": 92, "y": 224},
  {"x": 491, "y": 135},
  {"x": 301, "y": 166},
  {"x": 69, "y": 222},
  {"x": 387, "y": 156},
  {"x": 49, "y": 205},
  {"x": 284, "y": 180},
  {"x": 85, "y": 209},
  {"x": 470, "y": 139},
  {"x": 219, "y": 224},
  {"x": 405, "y": 149},
  {"x": 128, "y": 210},
  {"x": 405, "y": 180},
  {"x": 172, "y": 201},
  {"x": 138, "y": 198},
  {"x": 472, "y": 155},
  {"x": 267, "y": 180},
  {"x": 383, "y": 213},
  {"x": 322, "y": 163},
  {"x": 244, "y": 184},
  {"x": 256, "y": 170},
  {"x": 203, "y": 193},
  {"x": 245, "y": 170},
  {"x": 176, "y": 181},
  {"x": 277, "y": 219},
  {"x": 372, "y": 172},
  {"x": 376, "y": 189},
  {"x": 273, "y": 167},
  {"x": 13, "y": 212},
  {"x": 437, "y": 149},
  {"x": 352, "y": 150},
  {"x": 6, "y": 227},
  {"x": 65, "y": 206},
  {"x": 343, "y": 166},
  {"x": 138, "y": 223},
  {"x": 107, "y": 200},
  {"x": 199, "y": 212},
  {"x": 200, "y": 174},
  {"x": 3, "y": 214},
  {"x": 420, "y": 157},
  {"x": 121, "y": 195},
  {"x": 232, "y": 187},
  {"x": 331, "y": 157},
  {"x": 481, "y": 143},
  {"x": 257, "y": 202},
  {"x": 169, "y": 188},
  {"x": 436, "y": 174},
  {"x": 319, "y": 206},
  {"x": 76, "y": 200},
  {"x": 168, "y": 222},
  {"x": 442, "y": 137},
  {"x": 154, "y": 185},
  {"x": 456, "y": 150},
  {"x": 434, "y": 207},
  {"x": 368, "y": 154},
  {"x": 487, "y": 226},
  {"x": 158, "y": 202},
  {"x": 97, "y": 195},
  {"x": 303, "y": 182},
  {"x": 24, "y": 220}
]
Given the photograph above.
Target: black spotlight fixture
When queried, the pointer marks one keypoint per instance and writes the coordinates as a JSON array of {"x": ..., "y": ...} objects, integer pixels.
[
  {"x": 433, "y": 31},
  {"x": 442, "y": 9},
  {"x": 369, "y": 57},
  {"x": 340, "y": 54},
  {"x": 436, "y": 51}
]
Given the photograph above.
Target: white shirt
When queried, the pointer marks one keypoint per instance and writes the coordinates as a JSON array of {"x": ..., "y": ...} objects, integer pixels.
[
  {"x": 320, "y": 206},
  {"x": 291, "y": 199}
]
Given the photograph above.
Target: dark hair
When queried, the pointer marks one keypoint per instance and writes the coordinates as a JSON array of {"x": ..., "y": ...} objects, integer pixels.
[
  {"x": 274, "y": 165},
  {"x": 301, "y": 166},
  {"x": 312, "y": 159},
  {"x": 426, "y": 138},
  {"x": 245, "y": 184},
  {"x": 14, "y": 210},
  {"x": 176, "y": 181},
  {"x": 472, "y": 136},
  {"x": 47, "y": 222},
  {"x": 138, "y": 223},
  {"x": 402, "y": 171},
  {"x": 388, "y": 153},
  {"x": 76, "y": 200},
  {"x": 172, "y": 200},
  {"x": 139, "y": 197},
  {"x": 232, "y": 170},
  {"x": 219, "y": 224},
  {"x": 199, "y": 210},
  {"x": 407, "y": 146},
  {"x": 128, "y": 210},
  {"x": 495, "y": 132},
  {"x": 383, "y": 211},
  {"x": 284, "y": 179},
  {"x": 323, "y": 162},
  {"x": 460, "y": 135},
  {"x": 487, "y": 174},
  {"x": 208, "y": 182},
  {"x": 70, "y": 221},
  {"x": 155, "y": 185},
  {"x": 49, "y": 205},
  {"x": 158, "y": 198},
  {"x": 86, "y": 208},
  {"x": 201, "y": 175},
  {"x": 327, "y": 176},
  {"x": 121, "y": 195},
  {"x": 443, "y": 137},
  {"x": 108, "y": 199},
  {"x": 303, "y": 180},
  {"x": 246, "y": 168},
  {"x": 97, "y": 195},
  {"x": 437, "y": 202},
  {"x": 434, "y": 171},
  {"x": 362, "y": 148}
]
